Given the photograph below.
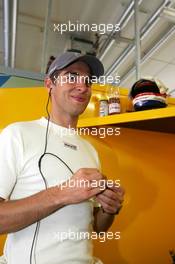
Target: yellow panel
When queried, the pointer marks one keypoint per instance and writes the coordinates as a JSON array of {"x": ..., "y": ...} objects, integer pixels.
[
  {"x": 128, "y": 117},
  {"x": 144, "y": 162},
  {"x": 2, "y": 240},
  {"x": 19, "y": 104}
]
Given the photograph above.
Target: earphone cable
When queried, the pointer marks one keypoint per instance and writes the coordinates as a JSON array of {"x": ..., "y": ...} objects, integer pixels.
[
  {"x": 35, "y": 237},
  {"x": 45, "y": 183}
]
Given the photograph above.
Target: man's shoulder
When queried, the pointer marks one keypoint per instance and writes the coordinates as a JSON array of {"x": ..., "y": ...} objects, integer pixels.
[{"x": 21, "y": 126}]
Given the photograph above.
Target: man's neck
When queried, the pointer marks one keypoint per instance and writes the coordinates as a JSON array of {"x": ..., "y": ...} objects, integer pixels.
[{"x": 69, "y": 122}]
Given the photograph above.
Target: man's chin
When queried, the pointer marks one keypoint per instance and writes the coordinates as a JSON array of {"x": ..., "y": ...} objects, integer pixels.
[{"x": 78, "y": 112}]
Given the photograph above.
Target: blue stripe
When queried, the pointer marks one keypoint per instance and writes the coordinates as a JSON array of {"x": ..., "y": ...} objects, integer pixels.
[{"x": 4, "y": 79}]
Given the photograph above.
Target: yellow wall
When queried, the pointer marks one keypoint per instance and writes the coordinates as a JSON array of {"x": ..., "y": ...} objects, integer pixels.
[
  {"x": 29, "y": 103},
  {"x": 21, "y": 104},
  {"x": 143, "y": 161}
]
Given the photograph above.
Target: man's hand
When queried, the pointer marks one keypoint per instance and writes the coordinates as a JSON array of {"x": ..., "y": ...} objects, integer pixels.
[
  {"x": 79, "y": 187},
  {"x": 111, "y": 199}
]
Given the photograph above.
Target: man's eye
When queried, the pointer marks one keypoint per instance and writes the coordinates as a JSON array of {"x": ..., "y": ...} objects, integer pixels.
[
  {"x": 72, "y": 77},
  {"x": 76, "y": 78},
  {"x": 88, "y": 81}
]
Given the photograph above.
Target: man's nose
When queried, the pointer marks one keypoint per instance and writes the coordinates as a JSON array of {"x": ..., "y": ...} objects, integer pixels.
[{"x": 82, "y": 86}]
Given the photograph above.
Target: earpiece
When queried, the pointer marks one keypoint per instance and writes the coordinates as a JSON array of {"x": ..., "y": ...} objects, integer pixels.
[{"x": 50, "y": 90}]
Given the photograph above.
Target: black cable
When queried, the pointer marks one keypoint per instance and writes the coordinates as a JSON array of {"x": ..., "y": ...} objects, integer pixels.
[
  {"x": 35, "y": 237},
  {"x": 49, "y": 153}
]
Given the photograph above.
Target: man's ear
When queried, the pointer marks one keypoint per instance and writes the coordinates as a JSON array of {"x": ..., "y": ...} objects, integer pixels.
[{"x": 48, "y": 84}]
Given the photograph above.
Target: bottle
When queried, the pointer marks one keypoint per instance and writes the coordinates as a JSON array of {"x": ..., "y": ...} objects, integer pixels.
[
  {"x": 103, "y": 106},
  {"x": 114, "y": 101}
]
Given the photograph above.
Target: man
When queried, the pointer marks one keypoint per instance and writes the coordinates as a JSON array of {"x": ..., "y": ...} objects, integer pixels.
[{"x": 38, "y": 207}]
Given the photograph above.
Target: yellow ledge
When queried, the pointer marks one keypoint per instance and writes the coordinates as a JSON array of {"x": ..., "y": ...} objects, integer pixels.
[{"x": 167, "y": 112}]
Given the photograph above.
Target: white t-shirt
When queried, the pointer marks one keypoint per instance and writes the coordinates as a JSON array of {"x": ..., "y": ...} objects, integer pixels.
[{"x": 21, "y": 145}]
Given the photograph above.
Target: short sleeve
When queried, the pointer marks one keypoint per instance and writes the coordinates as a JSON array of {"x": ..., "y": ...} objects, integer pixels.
[{"x": 9, "y": 156}]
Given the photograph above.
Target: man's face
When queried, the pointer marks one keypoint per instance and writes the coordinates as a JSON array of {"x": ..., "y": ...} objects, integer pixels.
[{"x": 71, "y": 93}]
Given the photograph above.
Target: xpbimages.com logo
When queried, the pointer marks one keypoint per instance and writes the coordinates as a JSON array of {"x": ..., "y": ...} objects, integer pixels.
[
  {"x": 102, "y": 184},
  {"x": 84, "y": 235},
  {"x": 72, "y": 78},
  {"x": 101, "y": 132},
  {"x": 84, "y": 27}
]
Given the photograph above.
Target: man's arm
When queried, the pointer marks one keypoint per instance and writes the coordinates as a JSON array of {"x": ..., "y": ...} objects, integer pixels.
[
  {"x": 111, "y": 202},
  {"x": 18, "y": 214},
  {"x": 102, "y": 220}
]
